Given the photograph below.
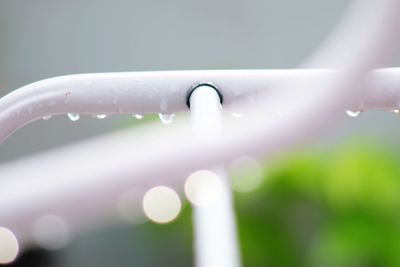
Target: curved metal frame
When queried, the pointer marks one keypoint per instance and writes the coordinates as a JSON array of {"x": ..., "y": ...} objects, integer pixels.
[{"x": 165, "y": 92}]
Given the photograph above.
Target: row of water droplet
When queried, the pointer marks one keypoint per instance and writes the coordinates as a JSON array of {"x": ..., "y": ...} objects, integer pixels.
[
  {"x": 355, "y": 113},
  {"x": 168, "y": 118},
  {"x": 165, "y": 118}
]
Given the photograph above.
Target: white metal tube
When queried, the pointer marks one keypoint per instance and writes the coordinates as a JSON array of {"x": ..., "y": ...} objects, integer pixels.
[
  {"x": 49, "y": 183},
  {"x": 165, "y": 92},
  {"x": 216, "y": 242}
]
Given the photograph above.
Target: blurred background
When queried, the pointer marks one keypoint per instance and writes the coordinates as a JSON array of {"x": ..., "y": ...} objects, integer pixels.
[{"x": 334, "y": 203}]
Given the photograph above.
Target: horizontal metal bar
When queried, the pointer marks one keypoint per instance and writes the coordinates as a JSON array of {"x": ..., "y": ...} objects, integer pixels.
[{"x": 165, "y": 92}]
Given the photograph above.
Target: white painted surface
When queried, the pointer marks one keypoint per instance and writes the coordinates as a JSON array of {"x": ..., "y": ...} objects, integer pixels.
[{"x": 216, "y": 242}]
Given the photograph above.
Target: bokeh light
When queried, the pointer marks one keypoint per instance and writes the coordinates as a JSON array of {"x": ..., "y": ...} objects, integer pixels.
[
  {"x": 246, "y": 174},
  {"x": 203, "y": 188},
  {"x": 161, "y": 204},
  {"x": 51, "y": 232},
  {"x": 9, "y": 247}
]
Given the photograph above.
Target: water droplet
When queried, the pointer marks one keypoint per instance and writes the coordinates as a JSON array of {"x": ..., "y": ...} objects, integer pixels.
[
  {"x": 47, "y": 117},
  {"x": 137, "y": 116},
  {"x": 101, "y": 116},
  {"x": 237, "y": 115},
  {"x": 353, "y": 114},
  {"x": 166, "y": 118},
  {"x": 73, "y": 116}
]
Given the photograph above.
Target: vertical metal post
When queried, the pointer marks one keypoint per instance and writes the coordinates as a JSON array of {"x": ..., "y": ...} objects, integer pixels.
[{"x": 216, "y": 242}]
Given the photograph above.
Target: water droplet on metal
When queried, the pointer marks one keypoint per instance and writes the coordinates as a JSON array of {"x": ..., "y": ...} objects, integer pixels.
[
  {"x": 101, "y": 116},
  {"x": 73, "y": 116},
  {"x": 353, "y": 114},
  {"x": 237, "y": 115},
  {"x": 166, "y": 118},
  {"x": 137, "y": 116},
  {"x": 47, "y": 117}
]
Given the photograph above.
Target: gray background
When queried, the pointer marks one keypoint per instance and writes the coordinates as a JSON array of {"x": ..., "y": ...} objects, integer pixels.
[{"x": 45, "y": 38}]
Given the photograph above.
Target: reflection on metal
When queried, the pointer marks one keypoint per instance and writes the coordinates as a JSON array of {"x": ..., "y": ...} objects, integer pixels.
[{"x": 282, "y": 108}]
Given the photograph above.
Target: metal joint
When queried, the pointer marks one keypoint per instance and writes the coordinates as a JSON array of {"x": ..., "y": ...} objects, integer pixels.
[{"x": 209, "y": 84}]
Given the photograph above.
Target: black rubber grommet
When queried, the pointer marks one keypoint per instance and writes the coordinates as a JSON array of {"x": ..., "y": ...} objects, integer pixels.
[{"x": 190, "y": 92}]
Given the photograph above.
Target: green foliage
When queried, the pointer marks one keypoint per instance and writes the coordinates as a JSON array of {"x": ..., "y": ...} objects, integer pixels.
[{"x": 338, "y": 208}]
